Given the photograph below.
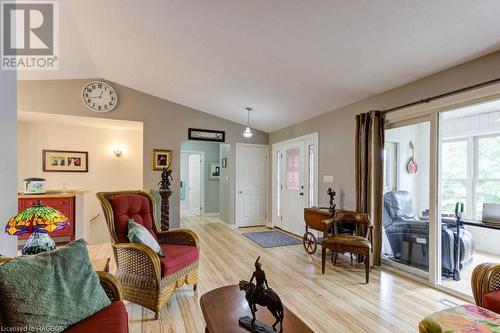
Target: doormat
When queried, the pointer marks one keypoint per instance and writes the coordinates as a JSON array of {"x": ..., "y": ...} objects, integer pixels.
[{"x": 272, "y": 238}]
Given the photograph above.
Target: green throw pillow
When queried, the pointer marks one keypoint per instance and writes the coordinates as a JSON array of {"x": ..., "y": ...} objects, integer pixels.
[
  {"x": 137, "y": 233},
  {"x": 50, "y": 291}
]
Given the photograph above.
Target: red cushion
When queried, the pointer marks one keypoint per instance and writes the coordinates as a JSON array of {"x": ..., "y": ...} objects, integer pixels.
[
  {"x": 177, "y": 257},
  {"x": 131, "y": 206},
  {"x": 112, "y": 319},
  {"x": 491, "y": 301}
]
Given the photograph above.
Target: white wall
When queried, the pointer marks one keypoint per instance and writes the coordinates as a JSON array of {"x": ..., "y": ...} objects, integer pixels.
[
  {"x": 225, "y": 184},
  {"x": 106, "y": 171},
  {"x": 8, "y": 168},
  {"x": 417, "y": 184},
  {"x": 184, "y": 177}
]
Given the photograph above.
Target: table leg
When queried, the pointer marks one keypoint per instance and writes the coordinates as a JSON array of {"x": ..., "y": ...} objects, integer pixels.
[{"x": 323, "y": 259}]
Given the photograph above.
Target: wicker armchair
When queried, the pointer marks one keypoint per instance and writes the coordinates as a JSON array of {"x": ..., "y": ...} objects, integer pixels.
[
  {"x": 146, "y": 278},
  {"x": 486, "y": 286}
]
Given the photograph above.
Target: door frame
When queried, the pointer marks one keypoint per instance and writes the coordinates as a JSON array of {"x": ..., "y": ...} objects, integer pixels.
[
  {"x": 236, "y": 183},
  {"x": 308, "y": 138},
  {"x": 202, "y": 176}
]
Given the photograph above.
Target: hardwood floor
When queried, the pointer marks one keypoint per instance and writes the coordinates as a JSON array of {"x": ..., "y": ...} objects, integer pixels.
[
  {"x": 338, "y": 301},
  {"x": 464, "y": 285}
]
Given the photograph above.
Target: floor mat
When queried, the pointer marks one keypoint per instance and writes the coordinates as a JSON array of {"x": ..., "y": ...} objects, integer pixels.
[{"x": 272, "y": 238}]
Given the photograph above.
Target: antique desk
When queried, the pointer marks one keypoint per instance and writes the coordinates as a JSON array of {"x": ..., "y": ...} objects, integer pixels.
[
  {"x": 222, "y": 307},
  {"x": 319, "y": 219}
]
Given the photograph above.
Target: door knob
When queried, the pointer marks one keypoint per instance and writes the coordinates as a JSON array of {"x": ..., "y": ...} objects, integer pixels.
[{"x": 301, "y": 193}]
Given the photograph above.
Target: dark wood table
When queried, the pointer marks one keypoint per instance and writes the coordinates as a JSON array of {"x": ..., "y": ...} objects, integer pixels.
[{"x": 222, "y": 307}]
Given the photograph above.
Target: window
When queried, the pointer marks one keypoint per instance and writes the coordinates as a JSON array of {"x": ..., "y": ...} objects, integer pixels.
[
  {"x": 488, "y": 172},
  {"x": 311, "y": 175},
  {"x": 292, "y": 169},
  {"x": 475, "y": 182},
  {"x": 453, "y": 175}
]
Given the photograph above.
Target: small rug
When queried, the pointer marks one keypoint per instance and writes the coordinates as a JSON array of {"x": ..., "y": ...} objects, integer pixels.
[{"x": 272, "y": 238}]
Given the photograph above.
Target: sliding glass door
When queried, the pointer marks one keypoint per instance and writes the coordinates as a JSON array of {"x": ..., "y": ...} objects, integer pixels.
[
  {"x": 406, "y": 196},
  {"x": 469, "y": 171},
  {"x": 440, "y": 169}
]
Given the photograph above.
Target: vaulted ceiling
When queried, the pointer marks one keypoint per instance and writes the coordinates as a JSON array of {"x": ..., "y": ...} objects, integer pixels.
[{"x": 288, "y": 59}]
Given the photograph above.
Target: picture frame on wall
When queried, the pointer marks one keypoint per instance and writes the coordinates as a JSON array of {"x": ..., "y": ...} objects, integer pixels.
[
  {"x": 213, "y": 171},
  {"x": 65, "y": 161},
  {"x": 224, "y": 162},
  {"x": 206, "y": 135},
  {"x": 161, "y": 158}
]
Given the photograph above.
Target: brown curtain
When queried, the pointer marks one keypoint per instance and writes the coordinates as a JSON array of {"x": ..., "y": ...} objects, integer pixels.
[{"x": 369, "y": 172}]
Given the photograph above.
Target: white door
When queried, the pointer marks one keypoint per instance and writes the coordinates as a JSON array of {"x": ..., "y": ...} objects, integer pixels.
[
  {"x": 194, "y": 184},
  {"x": 251, "y": 184},
  {"x": 293, "y": 187}
]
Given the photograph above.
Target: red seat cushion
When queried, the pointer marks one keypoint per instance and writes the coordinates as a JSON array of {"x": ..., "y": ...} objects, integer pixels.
[
  {"x": 491, "y": 301},
  {"x": 177, "y": 257},
  {"x": 131, "y": 206},
  {"x": 111, "y": 319}
]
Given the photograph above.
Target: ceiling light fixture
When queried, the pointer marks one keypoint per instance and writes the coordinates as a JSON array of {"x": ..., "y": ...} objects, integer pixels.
[{"x": 248, "y": 132}]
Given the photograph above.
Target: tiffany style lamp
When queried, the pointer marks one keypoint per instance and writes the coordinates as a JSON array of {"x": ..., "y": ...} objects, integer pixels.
[{"x": 39, "y": 220}]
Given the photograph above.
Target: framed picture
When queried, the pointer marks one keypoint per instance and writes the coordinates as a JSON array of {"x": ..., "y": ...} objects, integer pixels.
[
  {"x": 224, "y": 162},
  {"x": 65, "y": 161},
  {"x": 213, "y": 171},
  {"x": 162, "y": 158},
  {"x": 206, "y": 135}
]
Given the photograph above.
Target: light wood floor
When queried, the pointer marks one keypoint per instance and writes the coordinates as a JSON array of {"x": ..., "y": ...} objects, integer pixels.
[
  {"x": 464, "y": 285},
  {"x": 337, "y": 301}
]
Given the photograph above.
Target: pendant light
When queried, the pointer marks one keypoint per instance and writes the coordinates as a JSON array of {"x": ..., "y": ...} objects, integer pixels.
[{"x": 248, "y": 132}]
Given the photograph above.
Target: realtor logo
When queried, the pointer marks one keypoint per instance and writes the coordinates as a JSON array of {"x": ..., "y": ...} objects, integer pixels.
[{"x": 29, "y": 36}]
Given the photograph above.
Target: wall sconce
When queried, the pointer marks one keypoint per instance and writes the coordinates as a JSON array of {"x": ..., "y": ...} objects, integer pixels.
[{"x": 118, "y": 151}]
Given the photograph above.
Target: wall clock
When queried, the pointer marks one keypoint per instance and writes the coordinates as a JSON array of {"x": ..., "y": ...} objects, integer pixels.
[{"x": 99, "y": 96}]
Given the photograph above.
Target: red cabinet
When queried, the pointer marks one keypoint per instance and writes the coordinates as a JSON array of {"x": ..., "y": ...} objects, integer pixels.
[{"x": 65, "y": 205}]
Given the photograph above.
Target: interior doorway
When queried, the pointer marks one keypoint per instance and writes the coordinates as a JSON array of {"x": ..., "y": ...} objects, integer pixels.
[
  {"x": 192, "y": 183},
  {"x": 203, "y": 178},
  {"x": 295, "y": 181}
]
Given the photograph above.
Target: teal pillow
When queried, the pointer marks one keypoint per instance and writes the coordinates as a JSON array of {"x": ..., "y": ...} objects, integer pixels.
[
  {"x": 50, "y": 291},
  {"x": 137, "y": 233}
]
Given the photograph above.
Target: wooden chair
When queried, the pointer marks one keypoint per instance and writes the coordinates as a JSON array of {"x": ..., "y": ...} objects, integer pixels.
[
  {"x": 146, "y": 278},
  {"x": 360, "y": 243},
  {"x": 485, "y": 285}
]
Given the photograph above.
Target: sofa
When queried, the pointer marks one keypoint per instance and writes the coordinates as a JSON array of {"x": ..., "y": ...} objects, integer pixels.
[
  {"x": 408, "y": 235},
  {"x": 112, "y": 319}
]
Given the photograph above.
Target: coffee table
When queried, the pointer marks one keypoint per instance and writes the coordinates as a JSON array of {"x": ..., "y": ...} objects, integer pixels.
[{"x": 222, "y": 307}]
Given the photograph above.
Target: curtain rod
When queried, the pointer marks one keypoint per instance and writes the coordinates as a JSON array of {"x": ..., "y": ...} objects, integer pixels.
[{"x": 450, "y": 93}]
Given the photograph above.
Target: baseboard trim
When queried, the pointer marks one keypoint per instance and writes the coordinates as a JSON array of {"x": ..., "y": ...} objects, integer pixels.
[{"x": 217, "y": 214}]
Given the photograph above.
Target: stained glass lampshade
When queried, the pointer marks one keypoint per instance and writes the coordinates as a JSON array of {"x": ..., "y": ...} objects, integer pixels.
[{"x": 39, "y": 220}]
